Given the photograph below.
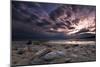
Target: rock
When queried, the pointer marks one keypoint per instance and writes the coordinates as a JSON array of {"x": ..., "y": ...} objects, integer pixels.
[
  {"x": 74, "y": 55},
  {"x": 23, "y": 62},
  {"x": 29, "y": 42},
  {"x": 20, "y": 51},
  {"x": 66, "y": 47},
  {"x": 76, "y": 45},
  {"x": 14, "y": 48},
  {"x": 48, "y": 45},
  {"x": 37, "y": 61},
  {"x": 42, "y": 52},
  {"x": 54, "y": 55},
  {"x": 68, "y": 60}
]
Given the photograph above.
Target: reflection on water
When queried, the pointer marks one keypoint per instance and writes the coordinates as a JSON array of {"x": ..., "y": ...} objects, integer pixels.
[
  {"x": 72, "y": 42},
  {"x": 87, "y": 41}
]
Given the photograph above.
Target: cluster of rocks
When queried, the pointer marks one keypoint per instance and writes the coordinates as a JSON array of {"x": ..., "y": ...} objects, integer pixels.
[{"x": 42, "y": 54}]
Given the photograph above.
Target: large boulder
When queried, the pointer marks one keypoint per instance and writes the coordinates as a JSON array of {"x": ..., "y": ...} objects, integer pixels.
[{"x": 54, "y": 55}]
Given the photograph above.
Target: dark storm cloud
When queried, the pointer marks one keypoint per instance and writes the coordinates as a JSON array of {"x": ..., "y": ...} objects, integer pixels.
[{"x": 26, "y": 16}]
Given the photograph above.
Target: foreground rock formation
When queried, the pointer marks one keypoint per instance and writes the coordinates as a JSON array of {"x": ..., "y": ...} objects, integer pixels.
[{"x": 44, "y": 53}]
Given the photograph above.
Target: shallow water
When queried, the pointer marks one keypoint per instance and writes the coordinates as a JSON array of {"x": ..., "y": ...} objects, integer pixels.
[{"x": 72, "y": 42}]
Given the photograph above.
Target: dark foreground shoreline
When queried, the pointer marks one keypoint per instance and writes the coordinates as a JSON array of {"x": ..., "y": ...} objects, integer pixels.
[{"x": 39, "y": 53}]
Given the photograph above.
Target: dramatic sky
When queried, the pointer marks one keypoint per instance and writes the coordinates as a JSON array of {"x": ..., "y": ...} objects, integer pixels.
[{"x": 31, "y": 20}]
